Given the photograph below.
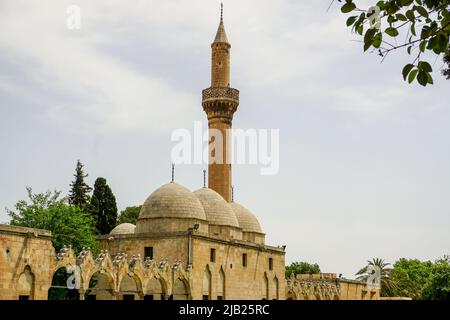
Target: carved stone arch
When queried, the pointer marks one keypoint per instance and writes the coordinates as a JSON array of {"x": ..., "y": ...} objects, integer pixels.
[
  {"x": 88, "y": 267},
  {"x": 181, "y": 289},
  {"x": 65, "y": 257},
  {"x": 151, "y": 271}
]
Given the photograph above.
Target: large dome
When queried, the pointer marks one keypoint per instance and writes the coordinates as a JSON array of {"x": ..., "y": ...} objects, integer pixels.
[
  {"x": 247, "y": 220},
  {"x": 217, "y": 210},
  {"x": 123, "y": 228},
  {"x": 172, "y": 201}
]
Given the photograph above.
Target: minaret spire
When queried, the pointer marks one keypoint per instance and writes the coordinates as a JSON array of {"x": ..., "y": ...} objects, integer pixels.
[{"x": 220, "y": 102}]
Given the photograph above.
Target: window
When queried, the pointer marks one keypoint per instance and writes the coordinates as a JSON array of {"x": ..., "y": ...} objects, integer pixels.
[
  {"x": 270, "y": 264},
  {"x": 148, "y": 253},
  {"x": 205, "y": 297},
  {"x": 128, "y": 297},
  {"x": 212, "y": 255},
  {"x": 22, "y": 298},
  {"x": 148, "y": 297},
  {"x": 219, "y": 298},
  {"x": 91, "y": 297},
  {"x": 244, "y": 259}
]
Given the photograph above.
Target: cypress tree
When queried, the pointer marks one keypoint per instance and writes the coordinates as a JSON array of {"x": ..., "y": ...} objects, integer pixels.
[
  {"x": 79, "y": 192},
  {"x": 103, "y": 207}
]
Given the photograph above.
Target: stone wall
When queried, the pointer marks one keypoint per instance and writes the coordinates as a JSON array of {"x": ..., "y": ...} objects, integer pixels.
[{"x": 27, "y": 262}]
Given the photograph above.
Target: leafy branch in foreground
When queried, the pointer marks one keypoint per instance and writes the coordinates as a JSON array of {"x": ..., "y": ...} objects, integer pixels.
[{"x": 425, "y": 24}]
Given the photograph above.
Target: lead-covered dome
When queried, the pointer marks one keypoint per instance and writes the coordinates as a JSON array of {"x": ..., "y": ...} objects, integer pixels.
[
  {"x": 247, "y": 220},
  {"x": 123, "y": 228},
  {"x": 172, "y": 201},
  {"x": 217, "y": 210}
]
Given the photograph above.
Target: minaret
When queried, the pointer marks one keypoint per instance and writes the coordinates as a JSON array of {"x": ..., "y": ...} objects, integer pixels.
[{"x": 220, "y": 102}]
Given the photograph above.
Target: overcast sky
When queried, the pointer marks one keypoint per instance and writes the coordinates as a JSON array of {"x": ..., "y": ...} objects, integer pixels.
[{"x": 364, "y": 157}]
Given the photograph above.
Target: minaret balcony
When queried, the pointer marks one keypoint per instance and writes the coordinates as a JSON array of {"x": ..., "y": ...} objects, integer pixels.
[{"x": 220, "y": 93}]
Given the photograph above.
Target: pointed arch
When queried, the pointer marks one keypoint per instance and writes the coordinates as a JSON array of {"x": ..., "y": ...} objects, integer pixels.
[
  {"x": 206, "y": 285},
  {"x": 101, "y": 286},
  {"x": 25, "y": 284},
  {"x": 265, "y": 287},
  {"x": 221, "y": 285},
  {"x": 275, "y": 289}
]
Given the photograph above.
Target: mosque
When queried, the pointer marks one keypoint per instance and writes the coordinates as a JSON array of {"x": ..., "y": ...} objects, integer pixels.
[{"x": 185, "y": 244}]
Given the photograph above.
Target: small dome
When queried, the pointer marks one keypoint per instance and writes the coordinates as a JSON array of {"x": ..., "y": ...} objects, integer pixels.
[
  {"x": 123, "y": 228},
  {"x": 247, "y": 220},
  {"x": 217, "y": 210},
  {"x": 172, "y": 201}
]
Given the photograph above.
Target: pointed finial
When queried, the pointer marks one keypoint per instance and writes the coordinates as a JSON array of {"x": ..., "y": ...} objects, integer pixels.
[
  {"x": 173, "y": 172},
  {"x": 221, "y": 11},
  {"x": 232, "y": 193},
  {"x": 204, "y": 178}
]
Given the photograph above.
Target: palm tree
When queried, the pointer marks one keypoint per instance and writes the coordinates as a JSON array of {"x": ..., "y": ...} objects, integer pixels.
[{"x": 386, "y": 283}]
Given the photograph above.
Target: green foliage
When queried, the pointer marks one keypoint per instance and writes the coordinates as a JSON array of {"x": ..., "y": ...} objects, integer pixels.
[
  {"x": 129, "y": 215},
  {"x": 419, "y": 280},
  {"x": 69, "y": 225},
  {"x": 302, "y": 268},
  {"x": 409, "y": 276},
  {"x": 103, "y": 207},
  {"x": 425, "y": 24},
  {"x": 438, "y": 284},
  {"x": 79, "y": 192}
]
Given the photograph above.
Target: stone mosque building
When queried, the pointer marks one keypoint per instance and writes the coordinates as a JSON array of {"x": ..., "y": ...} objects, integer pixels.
[{"x": 185, "y": 244}]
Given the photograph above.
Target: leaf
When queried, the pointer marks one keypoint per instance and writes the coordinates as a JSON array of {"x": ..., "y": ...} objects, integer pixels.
[
  {"x": 368, "y": 37},
  {"x": 412, "y": 75},
  {"x": 348, "y": 7},
  {"x": 424, "y": 66},
  {"x": 410, "y": 15},
  {"x": 430, "y": 78},
  {"x": 413, "y": 29},
  {"x": 360, "y": 29},
  {"x": 351, "y": 20},
  {"x": 401, "y": 17},
  {"x": 422, "y": 11},
  {"x": 393, "y": 32},
  {"x": 377, "y": 39},
  {"x": 422, "y": 78},
  {"x": 406, "y": 70},
  {"x": 409, "y": 49},
  {"x": 422, "y": 45}
]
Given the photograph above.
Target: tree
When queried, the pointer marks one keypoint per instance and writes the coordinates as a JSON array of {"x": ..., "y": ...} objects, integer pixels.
[
  {"x": 386, "y": 282},
  {"x": 438, "y": 284},
  {"x": 296, "y": 268},
  {"x": 129, "y": 215},
  {"x": 409, "y": 276},
  {"x": 69, "y": 225},
  {"x": 425, "y": 25},
  {"x": 79, "y": 192},
  {"x": 103, "y": 207}
]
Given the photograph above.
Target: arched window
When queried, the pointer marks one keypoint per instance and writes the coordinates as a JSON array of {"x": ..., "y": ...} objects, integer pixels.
[
  {"x": 25, "y": 284},
  {"x": 206, "y": 288}
]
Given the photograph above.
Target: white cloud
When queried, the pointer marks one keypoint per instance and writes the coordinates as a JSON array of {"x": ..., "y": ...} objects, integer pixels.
[{"x": 103, "y": 89}]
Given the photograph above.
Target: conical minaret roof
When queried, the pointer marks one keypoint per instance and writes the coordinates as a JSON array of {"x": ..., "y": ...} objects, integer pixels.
[{"x": 221, "y": 36}]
